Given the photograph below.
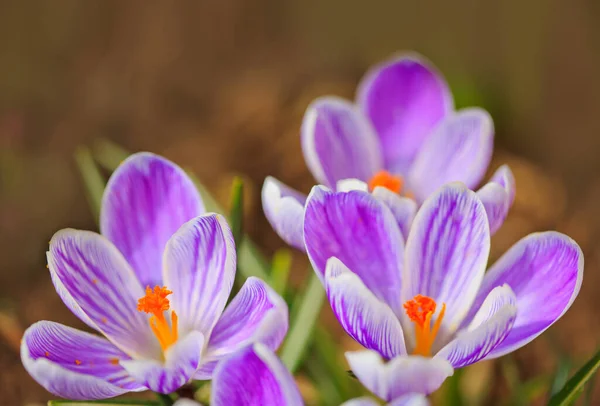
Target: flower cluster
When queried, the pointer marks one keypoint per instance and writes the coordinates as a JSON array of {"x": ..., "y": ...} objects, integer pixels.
[{"x": 396, "y": 231}]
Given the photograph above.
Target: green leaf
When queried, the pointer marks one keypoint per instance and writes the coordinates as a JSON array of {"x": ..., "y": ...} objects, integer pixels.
[
  {"x": 92, "y": 178},
  {"x": 574, "y": 386},
  {"x": 111, "y": 402},
  {"x": 236, "y": 210},
  {"x": 280, "y": 270},
  {"x": 303, "y": 324}
]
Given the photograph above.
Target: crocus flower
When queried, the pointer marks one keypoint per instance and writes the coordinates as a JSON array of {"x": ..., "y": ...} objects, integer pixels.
[
  {"x": 255, "y": 376},
  {"x": 154, "y": 235},
  {"x": 401, "y": 140},
  {"x": 424, "y": 308}
]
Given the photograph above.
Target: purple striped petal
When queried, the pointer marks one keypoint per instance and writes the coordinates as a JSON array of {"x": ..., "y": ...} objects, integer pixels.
[
  {"x": 256, "y": 314},
  {"x": 284, "y": 208},
  {"x": 460, "y": 149},
  {"x": 447, "y": 251},
  {"x": 403, "y": 208},
  {"x": 490, "y": 326},
  {"x": 412, "y": 399},
  {"x": 400, "y": 376},
  {"x": 364, "y": 317},
  {"x": 362, "y": 232},
  {"x": 364, "y": 401},
  {"x": 146, "y": 200},
  {"x": 199, "y": 268},
  {"x": 497, "y": 196},
  {"x": 254, "y": 376},
  {"x": 339, "y": 142},
  {"x": 101, "y": 282},
  {"x": 405, "y": 98},
  {"x": 545, "y": 270},
  {"x": 181, "y": 361},
  {"x": 346, "y": 185},
  {"x": 73, "y": 364}
]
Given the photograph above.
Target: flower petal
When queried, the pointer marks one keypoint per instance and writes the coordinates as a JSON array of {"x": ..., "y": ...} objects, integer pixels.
[
  {"x": 186, "y": 402},
  {"x": 364, "y": 401},
  {"x": 489, "y": 327},
  {"x": 362, "y": 232},
  {"x": 101, "y": 282},
  {"x": 181, "y": 361},
  {"x": 400, "y": 376},
  {"x": 73, "y": 364},
  {"x": 346, "y": 185},
  {"x": 497, "y": 196},
  {"x": 254, "y": 376},
  {"x": 284, "y": 208},
  {"x": 146, "y": 200},
  {"x": 447, "y": 252},
  {"x": 405, "y": 98},
  {"x": 256, "y": 314},
  {"x": 339, "y": 142},
  {"x": 403, "y": 208},
  {"x": 199, "y": 267},
  {"x": 545, "y": 270},
  {"x": 412, "y": 399},
  {"x": 460, "y": 149},
  {"x": 364, "y": 317}
]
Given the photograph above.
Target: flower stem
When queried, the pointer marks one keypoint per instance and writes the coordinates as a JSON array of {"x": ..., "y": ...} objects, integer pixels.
[{"x": 165, "y": 400}]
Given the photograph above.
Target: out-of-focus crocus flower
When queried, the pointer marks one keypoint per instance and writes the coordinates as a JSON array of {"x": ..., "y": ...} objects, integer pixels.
[
  {"x": 255, "y": 376},
  {"x": 428, "y": 307},
  {"x": 154, "y": 235},
  {"x": 400, "y": 140}
]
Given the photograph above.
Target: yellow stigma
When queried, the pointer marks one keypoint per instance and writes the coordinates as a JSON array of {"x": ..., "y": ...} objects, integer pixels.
[
  {"x": 155, "y": 302},
  {"x": 420, "y": 310}
]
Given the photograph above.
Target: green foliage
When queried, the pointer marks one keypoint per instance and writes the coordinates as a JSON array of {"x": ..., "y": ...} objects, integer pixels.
[{"x": 574, "y": 386}]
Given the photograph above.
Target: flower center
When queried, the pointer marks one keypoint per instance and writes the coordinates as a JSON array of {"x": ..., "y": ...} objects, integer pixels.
[
  {"x": 386, "y": 180},
  {"x": 155, "y": 302},
  {"x": 420, "y": 310}
]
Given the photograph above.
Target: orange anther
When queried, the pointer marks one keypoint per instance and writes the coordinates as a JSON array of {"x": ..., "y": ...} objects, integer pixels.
[
  {"x": 420, "y": 311},
  {"x": 386, "y": 180},
  {"x": 156, "y": 303}
]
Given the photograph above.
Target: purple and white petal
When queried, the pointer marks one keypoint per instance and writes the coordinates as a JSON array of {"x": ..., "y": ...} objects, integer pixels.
[
  {"x": 73, "y": 364},
  {"x": 364, "y": 317},
  {"x": 256, "y": 314},
  {"x": 199, "y": 267},
  {"x": 490, "y": 326},
  {"x": 346, "y": 185},
  {"x": 497, "y": 196},
  {"x": 284, "y": 208},
  {"x": 362, "y": 232},
  {"x": 97, "y": 277},
  {"x": 447, "y": 252},
  {"x": 545, "y": 270},
  {"x": 146, "y": 200},
  {"x": 460, "y": 149},
  {"x": 403, "y": 208},
  {"x": 254, "y": 376},
  {"x": 405, "y": 98},
  {"x": 186, "y": 402},
  {"x": 400, "y": 376},
  {"x": 364, "y": 401},
  {"x": 181, "y": 361},
  {"x": 339, "y": 142},
  {"x": 412, "y": 399}
]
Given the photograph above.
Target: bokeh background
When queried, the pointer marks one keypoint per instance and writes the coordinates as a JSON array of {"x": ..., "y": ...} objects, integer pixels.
[{"x": 221, "y": 87}]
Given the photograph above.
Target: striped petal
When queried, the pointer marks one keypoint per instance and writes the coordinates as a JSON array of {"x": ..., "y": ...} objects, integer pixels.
[
  {"x": 284, "y": 208},
  {"x": 404, "y": 209},
  {"x": 254, "y": 376},
  {"x": 405, "y": 98},
  {"x": 146, "y": 200},
  {"x": 497, "y": 196},
  {"x": 101, "y": 282},
  {"x": 339, "y": 142},
  {"x": 74, "y": 365},
  {"x": 199, "y": 268}
]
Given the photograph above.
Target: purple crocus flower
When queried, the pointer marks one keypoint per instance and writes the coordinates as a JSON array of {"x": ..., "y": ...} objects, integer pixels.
[
  {"x": 424, "y": 308},
  {"x": 255, "y": 376},
  {"x": 401, "y": 140},
  {"x": 155, "y": 235}
]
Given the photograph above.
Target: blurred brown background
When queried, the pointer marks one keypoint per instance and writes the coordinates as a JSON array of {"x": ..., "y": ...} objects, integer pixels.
[{"x": 221, "y": 86}]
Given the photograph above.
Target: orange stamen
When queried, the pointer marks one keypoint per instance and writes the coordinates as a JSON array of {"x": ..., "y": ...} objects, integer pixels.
[
  {"x": 155, "y": 302},
  {"x": 386, "y": 180},
  {"x": 420, "y": 311}
]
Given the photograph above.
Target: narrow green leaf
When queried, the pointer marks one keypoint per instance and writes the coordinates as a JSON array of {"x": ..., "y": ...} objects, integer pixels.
[
  {"x": 236, "y": 210},
  {"x": 561, "y": 375},
  {"x": 110, "y": 402},
  {"x": 574, "y": 386},
  {"x": 280, "y": 270},
  {"x": 92, "y": 178},
  {"x": 303, "y": 324},
  {"x": 108, "y": 154}
]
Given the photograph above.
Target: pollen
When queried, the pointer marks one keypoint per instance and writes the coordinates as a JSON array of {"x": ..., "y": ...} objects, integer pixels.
[
  {"x": 77, "y": 362},
  {"x": 155, "y": 302},
  {"x": 420, "y": 311},
  {"x": 114, "y": 361},
  {"x": 47, "y": 354},
  {"x": 386, "y": 180}
]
